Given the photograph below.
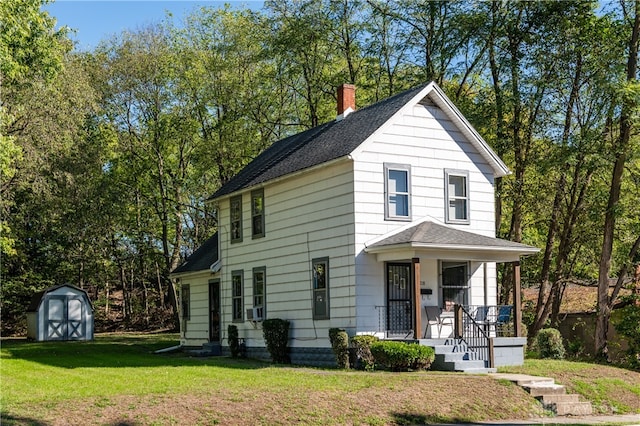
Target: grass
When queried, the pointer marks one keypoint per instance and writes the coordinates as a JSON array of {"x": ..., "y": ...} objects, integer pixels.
[
  {"x": 118, "y": 380},
  {"x": 611, "y": 390}
]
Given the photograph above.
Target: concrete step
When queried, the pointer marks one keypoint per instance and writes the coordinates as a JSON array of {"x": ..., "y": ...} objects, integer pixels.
[
  {"x": 554, "y": 399},
  {"x": 541, "y": 389},
  {"x": 573, "y": 408},
  {"x": 480, "y": 370}
]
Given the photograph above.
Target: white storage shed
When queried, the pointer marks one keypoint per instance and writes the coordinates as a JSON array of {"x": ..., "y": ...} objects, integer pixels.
[{"x": 61, "y": 312}]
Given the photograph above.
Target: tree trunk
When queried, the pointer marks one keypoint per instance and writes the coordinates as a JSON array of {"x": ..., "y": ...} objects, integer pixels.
[{"x": 621, "y": 149}]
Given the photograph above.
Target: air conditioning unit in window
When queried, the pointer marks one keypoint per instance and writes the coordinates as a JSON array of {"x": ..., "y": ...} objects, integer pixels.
[{"x": 254, "y": 314}]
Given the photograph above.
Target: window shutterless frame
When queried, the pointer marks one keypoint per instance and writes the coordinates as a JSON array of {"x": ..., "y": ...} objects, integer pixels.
[
  {"x": 454, "y": 284},
  {"x": 397, "y": 192},
  {"x": 260, "y": 291},
  {"x": 320, "y": 288},
  {"x": 257, "y": 213},
  {"x": 235, "y": 218},
  {"x": 456, "y": 195},
  {"x": 237, "y": 283}
]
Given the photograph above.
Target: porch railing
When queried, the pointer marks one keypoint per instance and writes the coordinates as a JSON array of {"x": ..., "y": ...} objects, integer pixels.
[
  {"x": 475, "y": 335},
  {"x": 496, "y": 321}
]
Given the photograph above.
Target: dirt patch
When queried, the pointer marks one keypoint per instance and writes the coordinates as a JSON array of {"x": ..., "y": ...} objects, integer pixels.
[{"x": 421, "y": 398}]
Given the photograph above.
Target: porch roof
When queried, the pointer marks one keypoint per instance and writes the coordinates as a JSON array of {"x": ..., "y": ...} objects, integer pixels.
[{"x": 431, "y": 239}]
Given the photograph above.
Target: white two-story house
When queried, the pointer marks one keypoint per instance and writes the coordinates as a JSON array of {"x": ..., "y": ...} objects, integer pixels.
[{"x": 380, "y": 222}]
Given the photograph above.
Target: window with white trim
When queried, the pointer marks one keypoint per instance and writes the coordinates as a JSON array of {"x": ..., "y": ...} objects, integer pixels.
[
  {"x": 397, "y": 191},
  {"x": 454, "y": 284},
  {"x": 456, "y": 196},
  {"x": 320, "y": 284},
  {"x": 237, "y": 279}
]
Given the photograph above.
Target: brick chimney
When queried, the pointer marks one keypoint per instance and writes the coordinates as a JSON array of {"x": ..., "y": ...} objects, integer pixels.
[{"x": 346, "y": 99}]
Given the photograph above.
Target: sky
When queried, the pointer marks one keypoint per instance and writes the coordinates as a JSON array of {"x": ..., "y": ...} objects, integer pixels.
[{"x": 94, "y": 21}]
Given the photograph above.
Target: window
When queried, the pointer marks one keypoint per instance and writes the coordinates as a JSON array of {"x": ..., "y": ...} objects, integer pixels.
[
  {"x": 185, "y": 299},
  {"x": 259, "y": 291},
  {"x": 455, "y": 284},
  {"x": 320, "y": 288},
  {"x": 237, "y": 278},
  {"x": 257, "y": 213},
  {"x": 397, "y": 189},
  {"x": 185, "y": 305},
  {"x": 457, "y": 196},
  {"x": 236, "y": 219}
]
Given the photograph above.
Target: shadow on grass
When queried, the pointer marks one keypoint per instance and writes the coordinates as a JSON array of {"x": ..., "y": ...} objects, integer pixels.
[
  {"x": 11, "y": 420},
  {"x": 115, "y": 351},
  {"x": 422, "y": 419}
]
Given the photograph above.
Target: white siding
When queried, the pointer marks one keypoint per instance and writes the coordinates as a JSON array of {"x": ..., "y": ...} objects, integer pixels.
[
  {"x": 196, "y": 331},
  {"x": 428, "y": 141},
  {"x": 307, "y": 216}
]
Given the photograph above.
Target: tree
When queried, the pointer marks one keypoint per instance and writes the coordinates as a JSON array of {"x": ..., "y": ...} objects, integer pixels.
[{"x": 621, "y": 147}]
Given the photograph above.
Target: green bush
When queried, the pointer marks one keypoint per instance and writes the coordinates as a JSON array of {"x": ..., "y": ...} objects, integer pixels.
[
  {"x": 234, "y": 343},
  {"x": 340, "y": 344},
  {"x": 362, "y": 347},
  {"x": 549, "y": 344},
  {"x": 276, "y": 337},
  {"x": 627, "y": 323},
  {"x": 400, "y": 356}
]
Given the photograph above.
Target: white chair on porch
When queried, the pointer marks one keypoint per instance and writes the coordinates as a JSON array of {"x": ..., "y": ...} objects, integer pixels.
[{"x": 434, "y": 317}]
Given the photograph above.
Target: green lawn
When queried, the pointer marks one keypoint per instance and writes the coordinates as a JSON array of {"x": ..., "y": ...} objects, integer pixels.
[{"x": 117, "y": 379}]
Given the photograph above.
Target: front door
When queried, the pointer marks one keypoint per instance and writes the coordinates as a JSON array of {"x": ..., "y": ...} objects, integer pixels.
[
  {"x": 399, "y": 300},
  {"x": 214, "y": 311}
]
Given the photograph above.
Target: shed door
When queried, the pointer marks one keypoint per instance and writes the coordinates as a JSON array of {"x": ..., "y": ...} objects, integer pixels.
[{"x": 64, "y": 318}]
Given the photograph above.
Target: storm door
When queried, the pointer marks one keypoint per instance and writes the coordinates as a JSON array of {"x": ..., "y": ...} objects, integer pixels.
[
  {"x": 399, "y": 300},
  {"x": 214, "y": 311}
]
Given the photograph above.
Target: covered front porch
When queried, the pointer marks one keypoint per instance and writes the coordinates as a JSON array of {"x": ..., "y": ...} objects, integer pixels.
[{"x": 440, "y": 289}]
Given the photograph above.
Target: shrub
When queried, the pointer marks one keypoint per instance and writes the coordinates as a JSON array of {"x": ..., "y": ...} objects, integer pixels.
[
  {"x": 627, "y": 323},
  {"x": 340, "y": 344},
  {"x": 276, "y": 337},
  {"x": 549, "y": 344},
  {"x": 234, "y": 343},
  {"x": 400, "y": 356},
  {"x": 362, "y": 347}
]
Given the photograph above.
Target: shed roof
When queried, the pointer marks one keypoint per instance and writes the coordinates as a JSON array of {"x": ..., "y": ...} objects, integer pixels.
[
  {"x": 201, "y": 259},
  {"x": 37, "y": 297}
]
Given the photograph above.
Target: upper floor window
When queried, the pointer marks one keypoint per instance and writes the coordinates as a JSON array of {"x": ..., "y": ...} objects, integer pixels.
[
  {"x": 237, "y": 278},
  {"x": 259, "y": 291},
  {"x": 397, "y": 189},
  {"x": 236, "y": 219},
  {"x": 456, "y": 196},
  {"x": 257, "y": 213},
  {"x": 320, "y": 288}
]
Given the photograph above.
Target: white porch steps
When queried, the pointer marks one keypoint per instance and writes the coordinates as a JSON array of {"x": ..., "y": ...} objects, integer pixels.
[
  {"x": 553, "y": 397},
  {"x": 454, "y": 355}
]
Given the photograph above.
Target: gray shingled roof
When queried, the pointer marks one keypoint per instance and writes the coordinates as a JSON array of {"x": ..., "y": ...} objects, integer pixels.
[
  {"x": 201, "y": 259},
  {"x": 34, "y": 304},
  {"x": 319, "y": 145},
  {"x": 432, "y": 234}
]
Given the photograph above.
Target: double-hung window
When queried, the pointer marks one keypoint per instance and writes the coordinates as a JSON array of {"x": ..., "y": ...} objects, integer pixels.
[
  {"x": 236, "y": 219},
  {"x": 257, "y": 213},
  {"x": 259, "y": 292},
  {"x": 237, "y": 278},
  {"x": 456, "y": 196},
  {"x": 320, "y": 284},
  {"x": 397, "y": 191}
]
